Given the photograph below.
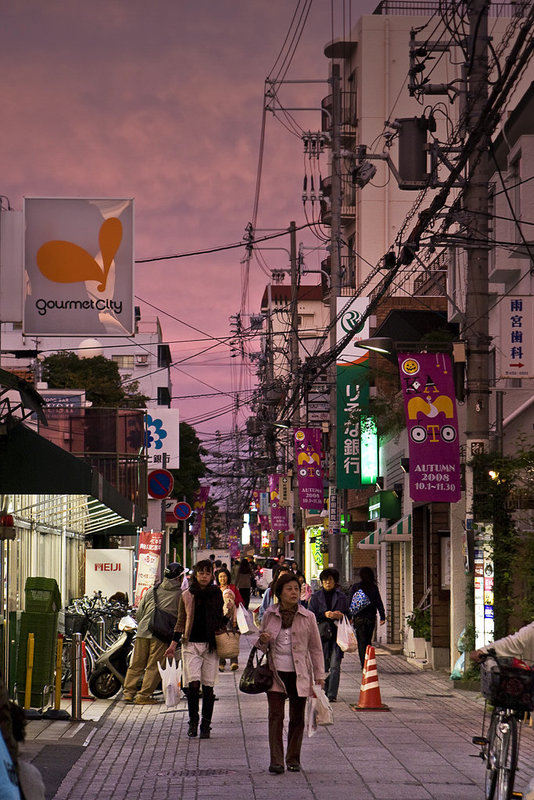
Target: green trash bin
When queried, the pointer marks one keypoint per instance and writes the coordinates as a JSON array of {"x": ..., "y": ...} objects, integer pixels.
[
  {"x": 42, "y": 595},
  {"x": 44, "y": 629}
]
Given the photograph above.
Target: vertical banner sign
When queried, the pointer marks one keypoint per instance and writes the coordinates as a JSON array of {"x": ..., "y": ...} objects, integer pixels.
[
  {"x": 264, "y": 504},
  {"x": 517, "y": 337},
  {"x": 430, "y": 407},
  {"x": 352, "y": 379},
  {"x": 78, "y": 260},
  {"x": 255, "y": 537},
  {"x": 199, "y": 507},
  {"x": 309, "y": 472},
  {"x": 234, "y": 542},
  {"x": 278, "y": 513},
  {"x": 483, "y": 580},
  {"x": 148, "y": 564}
]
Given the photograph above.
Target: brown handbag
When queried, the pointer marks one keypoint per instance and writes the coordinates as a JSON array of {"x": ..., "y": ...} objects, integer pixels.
[{"x": 227, "y": 643}]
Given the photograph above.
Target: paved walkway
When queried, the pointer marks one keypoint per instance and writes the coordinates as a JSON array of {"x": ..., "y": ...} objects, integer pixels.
[{"x": 420, "y": 749}]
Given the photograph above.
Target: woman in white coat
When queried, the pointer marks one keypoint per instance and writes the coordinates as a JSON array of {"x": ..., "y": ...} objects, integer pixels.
[{"x": 291, "y": 636}]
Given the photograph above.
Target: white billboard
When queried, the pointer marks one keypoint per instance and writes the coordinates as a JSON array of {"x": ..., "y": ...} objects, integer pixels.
[
  {"x": 163, "y": 438},
  {"x": 349, "y": 313},
  {"x": 78, "y": 262},
  {"x": 109, "y": 571}
]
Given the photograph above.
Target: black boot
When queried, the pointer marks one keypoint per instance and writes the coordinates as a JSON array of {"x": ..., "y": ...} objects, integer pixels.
[
  {"x": 192, "y": 706},
  {"x": 208, "y": 701}
]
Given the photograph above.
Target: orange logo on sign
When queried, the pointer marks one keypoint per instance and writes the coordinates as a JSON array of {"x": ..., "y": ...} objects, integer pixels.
[{"x": 66, "y": 262}]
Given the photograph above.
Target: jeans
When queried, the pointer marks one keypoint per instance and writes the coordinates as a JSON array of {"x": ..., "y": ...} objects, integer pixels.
[
  {"x": 332, "y": 663},
  {"x": 364, "y": 628}
]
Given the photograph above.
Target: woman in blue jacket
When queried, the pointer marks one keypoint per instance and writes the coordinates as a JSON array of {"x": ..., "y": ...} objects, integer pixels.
[
  {"x": 364, "y": 621},
  {"x": 329, "y": 604}
]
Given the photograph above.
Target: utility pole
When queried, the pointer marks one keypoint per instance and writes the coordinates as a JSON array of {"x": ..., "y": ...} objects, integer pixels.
[
  {"x": 294, "y": 364},
  {"x": 334, "y": 549},
  {"x": 476, "y": 330}
]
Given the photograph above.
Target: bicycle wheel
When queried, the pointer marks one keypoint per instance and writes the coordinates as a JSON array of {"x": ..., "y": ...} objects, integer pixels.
[
  {"x": 491, "y": 756},
  {"x": 508, "y": 758}
]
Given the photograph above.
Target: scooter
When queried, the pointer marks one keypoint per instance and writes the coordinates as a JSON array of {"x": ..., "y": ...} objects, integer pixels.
[{"x": 110, "y": 668}]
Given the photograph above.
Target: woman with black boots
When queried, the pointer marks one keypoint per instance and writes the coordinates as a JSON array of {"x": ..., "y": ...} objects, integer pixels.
[{"x": 200, "y": 615}]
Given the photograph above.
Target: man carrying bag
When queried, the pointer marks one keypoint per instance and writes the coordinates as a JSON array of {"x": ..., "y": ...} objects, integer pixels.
[{"x": 148, "y": 648}]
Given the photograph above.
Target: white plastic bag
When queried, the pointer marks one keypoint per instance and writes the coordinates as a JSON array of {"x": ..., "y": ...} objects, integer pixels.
[
  {"x": 245, "y": 620},
  {"x": 311, "y": 722},
  {"x": 170, "y": 682},
  {"x": 346, "y": 638},
  {"x": 323, "y": 710}
]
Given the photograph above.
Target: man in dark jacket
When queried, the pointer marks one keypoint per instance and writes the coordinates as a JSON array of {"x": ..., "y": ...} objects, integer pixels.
[
  {"x": 148, "y": 650},
  {"x": 329, "y": 604}
]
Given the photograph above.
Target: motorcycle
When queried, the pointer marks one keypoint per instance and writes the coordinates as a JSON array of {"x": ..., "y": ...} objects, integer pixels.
[{"x": 110, "y": 668}]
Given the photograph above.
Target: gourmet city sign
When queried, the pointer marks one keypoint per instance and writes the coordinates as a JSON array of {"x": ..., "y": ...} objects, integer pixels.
[{"x": 78, "y": 260}]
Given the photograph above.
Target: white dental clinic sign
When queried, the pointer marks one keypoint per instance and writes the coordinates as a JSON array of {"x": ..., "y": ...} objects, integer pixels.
[{"x": 78, "y": 267}]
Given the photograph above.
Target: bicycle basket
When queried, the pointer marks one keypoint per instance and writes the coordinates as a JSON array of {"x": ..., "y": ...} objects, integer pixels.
[
  {"x": 507, "y": 686},
  {"x": 75, "y": 623}
]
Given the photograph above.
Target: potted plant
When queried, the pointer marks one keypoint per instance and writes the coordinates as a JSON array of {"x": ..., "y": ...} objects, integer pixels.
[{"x": 419, "y": 622}]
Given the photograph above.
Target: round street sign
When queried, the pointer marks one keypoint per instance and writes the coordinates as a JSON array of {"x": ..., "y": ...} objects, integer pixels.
[
  {"x": 160, "y": 483},
  {"x": 182, "y": 511}
]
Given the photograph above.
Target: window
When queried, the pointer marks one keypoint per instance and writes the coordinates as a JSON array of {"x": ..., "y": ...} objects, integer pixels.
[
  {"x": 141, "y": 359},
  {"x": 123, "y": 361}
]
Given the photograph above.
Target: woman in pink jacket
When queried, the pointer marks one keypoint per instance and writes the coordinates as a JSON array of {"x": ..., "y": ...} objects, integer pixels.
[{"x": 291, "y": 636}]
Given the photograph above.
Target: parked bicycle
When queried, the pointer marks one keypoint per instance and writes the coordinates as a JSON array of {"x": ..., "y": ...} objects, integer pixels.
[{"x": 508, "y": 686}]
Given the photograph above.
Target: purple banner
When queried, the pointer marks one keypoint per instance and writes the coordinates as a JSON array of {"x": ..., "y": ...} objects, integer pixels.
[
  {"x": 430, "y": 405},
  {"x": 199, "y": 507},
  {"x": 234, "y": 542},
  {"x": 310, "y": 474},
  {"x": 278, "y": 512}
]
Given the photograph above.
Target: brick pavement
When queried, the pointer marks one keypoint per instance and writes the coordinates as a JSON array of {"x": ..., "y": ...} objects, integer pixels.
[{"x": 421, "y": 749}]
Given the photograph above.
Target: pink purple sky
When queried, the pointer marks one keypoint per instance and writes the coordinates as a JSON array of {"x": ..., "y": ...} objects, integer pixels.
[{"x": 162, "y": 101}]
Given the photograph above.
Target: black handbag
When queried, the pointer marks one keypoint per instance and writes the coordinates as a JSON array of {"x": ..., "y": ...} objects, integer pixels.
[
  {"x": 325, "y": 630},
  {"x": 162, "y": 623},
  {"x": 257, "y": 676}
]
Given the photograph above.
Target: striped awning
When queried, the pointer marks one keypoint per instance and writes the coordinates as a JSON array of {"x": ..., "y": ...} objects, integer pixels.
[
  {"x": 401, "y": 531},
  {"x": 370, "y": 542}
]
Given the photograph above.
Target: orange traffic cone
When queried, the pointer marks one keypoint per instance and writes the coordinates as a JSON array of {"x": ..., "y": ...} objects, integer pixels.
[{"x": 370, "y": 699}]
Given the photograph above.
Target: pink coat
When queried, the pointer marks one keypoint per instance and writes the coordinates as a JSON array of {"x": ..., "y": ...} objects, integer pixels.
[{"x": 306, "y": 645}]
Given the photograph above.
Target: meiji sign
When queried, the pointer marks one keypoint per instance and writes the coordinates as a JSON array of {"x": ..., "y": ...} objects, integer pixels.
[
  {"x": 108, "y": 571},
  {"x": 78, "y": 259}
]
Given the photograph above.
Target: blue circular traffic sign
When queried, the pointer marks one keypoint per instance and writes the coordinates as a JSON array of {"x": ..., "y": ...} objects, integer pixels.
[
  {"x": 182, "y": 511},
  {"x": 160, "y": 483}
]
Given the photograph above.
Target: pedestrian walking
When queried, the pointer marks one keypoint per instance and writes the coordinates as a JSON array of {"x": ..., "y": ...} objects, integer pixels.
[
  {"x": 149, "y": 650},
  {"x": 244, "y": 580},
  {"x": 291, "y": 638},
  {"x": 269, "y": 596},
  {"x": 305, "y": 589},
  {"x": 364, "y": 621},
  {"x": 231, "y": 599},
  {"x": 329, "y": 604},
  {"x": 200, "y": 615}
]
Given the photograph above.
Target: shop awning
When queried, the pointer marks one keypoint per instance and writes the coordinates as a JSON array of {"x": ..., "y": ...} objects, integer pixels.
[
  {"x": 31, "y": 465},
  {"x": 370, "y": 542},
  {"x": 401, "y": 531}
]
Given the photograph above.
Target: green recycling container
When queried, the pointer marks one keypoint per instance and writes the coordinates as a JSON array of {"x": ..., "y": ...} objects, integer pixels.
[
  {"x": 42, "y": 595},
  {"x": 44, "y": 628}
]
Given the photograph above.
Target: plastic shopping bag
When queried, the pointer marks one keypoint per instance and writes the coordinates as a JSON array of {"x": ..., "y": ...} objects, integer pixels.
[
  {"x": 323, "y": 710},
  {"x": 245, "y": 620},
  {"x": 346, "y": 638},
  {"x": 311, "y": 722},
  {"x": 170, "y": 682}
]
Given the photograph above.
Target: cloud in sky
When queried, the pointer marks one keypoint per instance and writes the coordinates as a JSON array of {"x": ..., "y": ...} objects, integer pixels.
[{"x": 162, "y": 102}]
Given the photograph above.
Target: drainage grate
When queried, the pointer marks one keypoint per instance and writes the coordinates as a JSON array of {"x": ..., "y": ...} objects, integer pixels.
[{"x": 193, "y": 773}]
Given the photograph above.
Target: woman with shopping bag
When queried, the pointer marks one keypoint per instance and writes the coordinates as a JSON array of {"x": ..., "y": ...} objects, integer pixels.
[
  {"x": 364, "y": 605},
  {"x": 330, "y": 604},
  {"x": 200, "y": 619},
  {"x": 291, "y": 638},
  {"x": 230, "y": 595}
]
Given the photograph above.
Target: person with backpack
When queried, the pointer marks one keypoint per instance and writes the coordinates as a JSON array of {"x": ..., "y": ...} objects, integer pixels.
[
  {"x": 148, "y": 649},
  {"x": 365, "y": 603}
]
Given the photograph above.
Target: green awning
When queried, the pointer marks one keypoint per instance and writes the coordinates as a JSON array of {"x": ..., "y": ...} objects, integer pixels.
[
  {"x": 401, "y": 531},
  {"x": 31, "y": 465},
  {"x": 370, "y": 542}
]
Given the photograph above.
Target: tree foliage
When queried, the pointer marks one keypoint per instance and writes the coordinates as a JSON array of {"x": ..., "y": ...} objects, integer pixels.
[
  {"x": 192, "y": 468},
  {"x": 98, "y": 376}
]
